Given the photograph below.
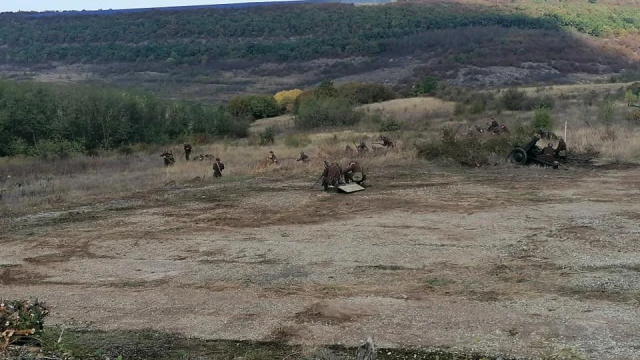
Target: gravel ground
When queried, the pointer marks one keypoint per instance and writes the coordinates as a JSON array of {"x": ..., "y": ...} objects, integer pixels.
[{"x": 511, "y": 262}]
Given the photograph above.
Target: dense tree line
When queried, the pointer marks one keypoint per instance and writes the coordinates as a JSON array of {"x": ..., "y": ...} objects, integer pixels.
[
  {"x": 38, "y": 118},
  {"x": 279, "y": 32}
]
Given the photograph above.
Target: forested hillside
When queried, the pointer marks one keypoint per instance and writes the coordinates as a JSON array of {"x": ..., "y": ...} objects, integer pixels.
[
  {"x": 212, "y": 55},
  {"x": 280, "y": 32}
]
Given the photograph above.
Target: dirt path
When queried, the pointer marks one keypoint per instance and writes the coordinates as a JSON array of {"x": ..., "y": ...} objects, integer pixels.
[{"x": 512, "y": 262}]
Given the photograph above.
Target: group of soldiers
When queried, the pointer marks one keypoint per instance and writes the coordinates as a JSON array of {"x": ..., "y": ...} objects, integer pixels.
[
  {"x": 333, "y": 174},
  {"x": 493, "y": 128},
  {"x": 168, "y": 158}
]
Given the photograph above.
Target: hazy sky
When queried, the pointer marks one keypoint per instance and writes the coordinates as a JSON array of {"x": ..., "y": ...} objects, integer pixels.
[{"x": 42, "y": 5}]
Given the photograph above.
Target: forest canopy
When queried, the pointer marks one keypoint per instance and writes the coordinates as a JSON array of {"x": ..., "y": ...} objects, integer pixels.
[
  {"x": 51, "y": 119},
  {"x": 279, "y": 32}
]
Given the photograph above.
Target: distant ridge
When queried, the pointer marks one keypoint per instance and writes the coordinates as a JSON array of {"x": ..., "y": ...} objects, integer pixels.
[{"x": 186, "y": 8}]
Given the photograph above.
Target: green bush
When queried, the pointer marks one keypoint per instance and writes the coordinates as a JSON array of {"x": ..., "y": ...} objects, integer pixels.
[
  {"x": 471, "y": 151},
  {"x": 542, "y": 118},
  {"x": 514, "y": 100},
  {"x": 254, "y": 107},
  {"x": 326, "y": 112},
  {"x": 55, "y": 149},
  {"x": 546, "y": 101},
  {"x": 267, "y": 136},
  {"x": 389, "y": 125},
  {"x": 362, "y": 94},
  {"x": 427, "y": 86}
]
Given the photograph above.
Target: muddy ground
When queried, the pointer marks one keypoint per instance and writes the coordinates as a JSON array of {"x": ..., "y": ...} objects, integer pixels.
[{"x": 503, "y": 261}]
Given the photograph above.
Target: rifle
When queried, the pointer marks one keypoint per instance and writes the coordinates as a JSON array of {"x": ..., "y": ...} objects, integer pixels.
[{"x": 317, "y": 181}]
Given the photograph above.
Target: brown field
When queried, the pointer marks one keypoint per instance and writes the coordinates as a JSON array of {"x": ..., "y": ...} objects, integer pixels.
[
  {"x": 500, "y": 260},
  {"x": 509, "y": 261}
]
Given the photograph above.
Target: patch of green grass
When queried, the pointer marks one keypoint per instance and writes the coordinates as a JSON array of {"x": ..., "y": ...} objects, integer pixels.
[
  {"x": 434, "y": 282},
  {"x": 147, "y": 344}
]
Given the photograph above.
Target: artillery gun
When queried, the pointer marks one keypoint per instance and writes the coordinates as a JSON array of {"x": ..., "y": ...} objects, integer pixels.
[{"x": 530, "y": 153}]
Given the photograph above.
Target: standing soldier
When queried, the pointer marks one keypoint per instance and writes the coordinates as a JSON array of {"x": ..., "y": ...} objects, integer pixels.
[
  {"x": 187, "y": 151},
  {"x": 217, "y": 168},
  {"x": 303, "y": 157},
  {"x": 348, "y": 151},
  {"x": 354, "y": 173},
  {"x": 362, "y": 147},
  {"x": 273, "y": 157},
  {"x": 386, "y": 142}
]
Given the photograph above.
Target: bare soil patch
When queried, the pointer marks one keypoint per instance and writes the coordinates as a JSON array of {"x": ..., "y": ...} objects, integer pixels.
[{"x": 504, "y": 261}]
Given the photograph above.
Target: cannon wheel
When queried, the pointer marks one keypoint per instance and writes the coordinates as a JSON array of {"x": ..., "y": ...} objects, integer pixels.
[{"x": 518, "y": 156}]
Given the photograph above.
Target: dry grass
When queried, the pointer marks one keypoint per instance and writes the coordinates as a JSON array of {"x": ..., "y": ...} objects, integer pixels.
[
  {"x": 38, "y": 185},
  {"x": 280, "y": 122},
  {"x": 573, "y": 89},
  {"x": 417, "y": 113}
]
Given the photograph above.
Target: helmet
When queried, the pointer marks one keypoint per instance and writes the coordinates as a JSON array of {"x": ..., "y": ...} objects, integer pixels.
[{"x": 550, "y": 144}]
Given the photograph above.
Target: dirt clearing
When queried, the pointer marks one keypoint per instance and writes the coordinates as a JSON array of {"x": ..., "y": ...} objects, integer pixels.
[{"x": 512, "y": 262}]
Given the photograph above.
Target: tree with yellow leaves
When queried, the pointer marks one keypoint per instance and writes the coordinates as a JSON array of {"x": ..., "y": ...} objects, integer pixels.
[{"x": 287, "y": 97}]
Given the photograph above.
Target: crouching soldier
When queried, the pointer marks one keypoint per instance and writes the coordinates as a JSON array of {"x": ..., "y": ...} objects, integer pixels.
[
  {"x": 386, "y": 142},
  {"x": 168, "y": 158},
  {"x": 217, "y": 168},
  {"x": 561, "y": 150},
  {"x": 303, "y": 157},
  {"x": 331, "y": 175},
  {"x": 354, "y": 173}
]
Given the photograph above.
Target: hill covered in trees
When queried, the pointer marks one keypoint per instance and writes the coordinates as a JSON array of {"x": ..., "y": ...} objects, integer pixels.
[{"x": 236, "y": 49}]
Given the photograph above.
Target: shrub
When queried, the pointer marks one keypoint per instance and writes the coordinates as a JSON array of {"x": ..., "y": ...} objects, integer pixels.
[
  {"x": 542, "y": 118},
  {"x": 51, "y": 149},
  {"x": 326, "y": 90},
  {"x": 296, "y": 141},
  {"x": 362, "y": 94},
  {"x": 319, "y": 112},
  {"x": 267, "y": 136},
  {"x": 125, "y": 150},
  {"x": 287, "y": 97},
  {"x": 427, "y": 86},
  {"x": 254, "y": 107},
  {"x": 389, "y": 125},
  {"x": 471, "y": 151},
  {"x": 546, "y": 101},
  {"x": 513, "y": 99},
  {"x": 633, "y": 116},
  {"x": 607, "y": 112}
]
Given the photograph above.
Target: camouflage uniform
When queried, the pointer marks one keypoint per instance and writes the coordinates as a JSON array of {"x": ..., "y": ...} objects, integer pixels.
[
  {"x": 168, "y": 158},
  {"x": 303, "y": 157},
  {"x": 353, "y": 173},
  {"x": 362, "y": 147},
  {"x": 562, "y": 147},
  {"x": 273, "y": 157},
  {"x": 187, "y": 151},
  {"x": 386, "y": 141},
  {"x": 331, "y": 175},
  {"x": 217, "y": 168}
]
